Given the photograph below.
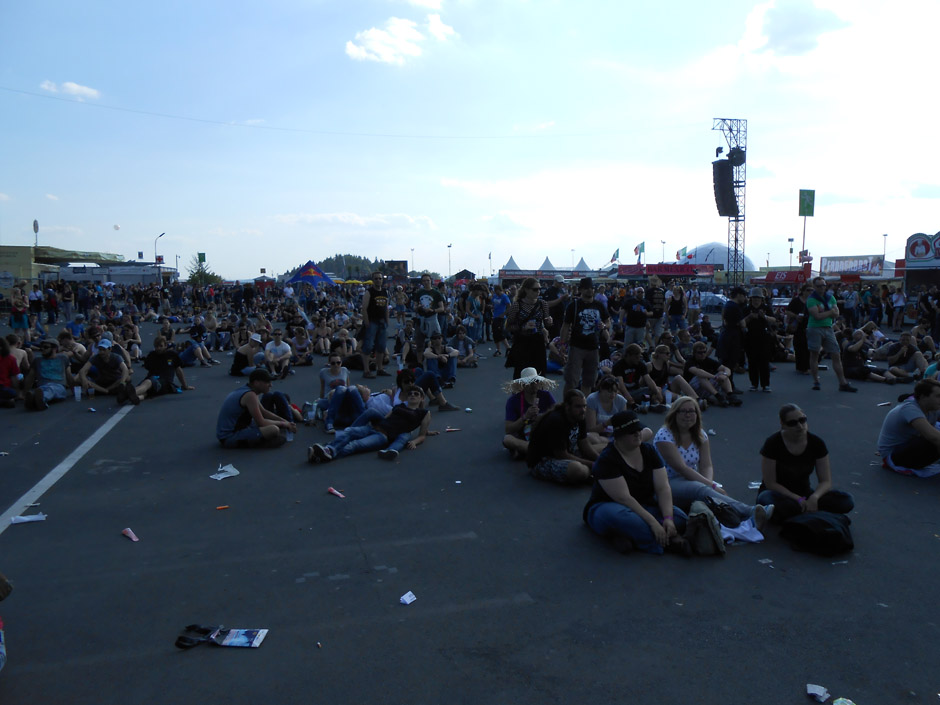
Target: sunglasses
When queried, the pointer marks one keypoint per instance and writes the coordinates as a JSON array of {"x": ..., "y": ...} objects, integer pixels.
[
  {"x": 336, "y": 362},
  {"x": 415, "y": 394},
  {"x": 793, "y": 423}
]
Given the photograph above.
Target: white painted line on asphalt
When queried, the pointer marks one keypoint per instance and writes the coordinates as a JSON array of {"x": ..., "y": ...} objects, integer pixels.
[{"x": 58, "y": 472}]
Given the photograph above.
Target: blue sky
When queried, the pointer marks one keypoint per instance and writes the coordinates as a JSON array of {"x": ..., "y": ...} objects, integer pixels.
[{"x": 269, "y": 134}]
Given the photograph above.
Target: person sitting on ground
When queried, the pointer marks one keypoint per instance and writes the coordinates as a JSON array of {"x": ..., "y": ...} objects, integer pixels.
[
  {"x": 76, "y": 352},
  {"x": 601, "y": 407},
  {"x": 530, "y": 397},
  {"x": 22, "y": 356},
  {"x": 663, "y": 375},
  {"x": 76, "y": 327},
  {"x": 636, "y": 382},
  {"x": 248, "y": 357},
  {"x": 343, "y": 344},
  {"x": 904, "y": 359},
  {"x": 909, "y": 441},
  {"x": 559, "y": 449},
  {"x": 104, "y": 372},
  {"x": 788, "y": 459},
  {"x": 683, "y": 445},
  {"x": 441, "y": 360},
  {"x": 130, "y": 335},
  {"x": 465, "y": 347},
  {"x": 322, "y": 334},
  {"x": 277, "y": 355},
  {"x": 302, "y": 347},
  {"x": 631, "y": 502},
  {"x": 245, "y": 423},
  {"x": 51, "y": 375},
  {"x": 709, "y": 378},
  {"x": 404, "y": 344},
  {"x": 855, "y": 351},
  {"x": 386, "y": 434},
  {"x": 190, "y": 353},
  {"x": 162, "y": 364},
  {"x": 10, "y": 377}
]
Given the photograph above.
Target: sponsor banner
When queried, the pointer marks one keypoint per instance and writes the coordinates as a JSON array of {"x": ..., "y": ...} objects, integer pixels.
[
  {"x": 923, "y": 251},
  {"x": 867, "y": 265}
]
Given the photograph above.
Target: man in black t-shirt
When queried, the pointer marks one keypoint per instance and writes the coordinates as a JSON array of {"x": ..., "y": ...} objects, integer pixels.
[
  {"x": 375, "y": 324},
  {"x": 162, "y": 366},
  {"x": 556, "y": 296},
  {"x": 559, "y": 450},
  {"x": 796, "y": 326},
  {"x": 636, "y": 313},
  {"x": 585, "y": 322},
  {"x": 731, "y": 338},
  {"x": 104, "y": 371}
]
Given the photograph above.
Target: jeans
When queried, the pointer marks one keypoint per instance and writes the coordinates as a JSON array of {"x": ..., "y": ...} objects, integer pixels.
[
  {"x": 613, "y": 518},
  {"x": 375, "y": 339},
  {"x": 835, "y": 501},
  {"x": 52, "y": 391},
  {"x": 677, "y": 323},
  {"x": 684, "y": 492},
  {"x": 345, "y": 407},
  {"x": 278, "y": 403},
  {"x": 361, "y": 437},
  {"x": 634, "y": 335},
  {"x": 450, "y": 368}
]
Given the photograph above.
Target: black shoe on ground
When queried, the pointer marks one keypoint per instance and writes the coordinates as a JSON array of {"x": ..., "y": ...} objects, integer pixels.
[
  {"x": 847, "y": 388},
  {"x": 130, "y": 393},
  {"x": 388, "y": 454}
]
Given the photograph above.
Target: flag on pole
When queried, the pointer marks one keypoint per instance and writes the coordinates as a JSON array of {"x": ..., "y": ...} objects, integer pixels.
[
  {"x": 614, "y": 257},
  {"x": 681, "y": 253},
  {"x": 639, "y": 249}
]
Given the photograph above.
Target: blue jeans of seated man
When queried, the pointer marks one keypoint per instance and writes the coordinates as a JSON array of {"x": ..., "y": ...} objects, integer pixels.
[
  {"x": 613, "y": 518},
  {"x": 278, "y": 403},
  {"x": 684, "y": 492},
  {"x": 52, "y": 391},
  {"x": 345, "y": 407},
  {"x": 448, "y": 374},
  {"x": 835, "y": 501},
  {"x": 361, "y": 437}
]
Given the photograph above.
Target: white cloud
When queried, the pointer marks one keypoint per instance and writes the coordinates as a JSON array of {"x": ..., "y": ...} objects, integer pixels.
[
  {"x": 429, "y": 4},
  {"x": 398, "y": 41},
  {"x": 70, "y": 88},
  {"x": 254, "y": 121},
  {"x": 52, "y": 197},
  {"x": 793, "y": 27},
  {"x": 438, "y": 29},
  {"x": 4, "y": 197},
  {"x": 391, "y": 45},
  {"x": 378, "y": 221}
]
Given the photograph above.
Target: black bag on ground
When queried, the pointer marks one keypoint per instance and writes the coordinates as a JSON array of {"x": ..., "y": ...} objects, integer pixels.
[{"x": 822, "y": 533}]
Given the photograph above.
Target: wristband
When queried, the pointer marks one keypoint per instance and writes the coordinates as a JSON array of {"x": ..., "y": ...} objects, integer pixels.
[
  {"x": 801, "y": 499},
  {"x": 714, "y": 485},
  {"x": 668, "y": 518}
]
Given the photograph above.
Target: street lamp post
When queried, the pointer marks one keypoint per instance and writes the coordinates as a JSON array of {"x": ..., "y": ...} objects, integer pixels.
[
  {"x": 884, "y": 249},
  {"x": 572, "y": 258},
  {"x": 448, "y": 260},
  {"x": 664, "y": 251},
  {"x": 412, "y": 259},
  {"x": 790, "y": 240}
]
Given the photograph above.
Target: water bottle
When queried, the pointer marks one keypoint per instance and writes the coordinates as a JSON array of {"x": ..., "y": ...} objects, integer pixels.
[
  {"x": 3, "y": 647},
  {"x": 77, "y": 391}
]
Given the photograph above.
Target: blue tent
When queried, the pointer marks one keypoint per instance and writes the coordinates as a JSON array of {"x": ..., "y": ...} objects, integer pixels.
[{"x": 311, "y": 274}]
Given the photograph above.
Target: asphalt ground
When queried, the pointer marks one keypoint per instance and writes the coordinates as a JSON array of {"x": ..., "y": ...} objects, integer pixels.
[{"x": 517, "y": 602}]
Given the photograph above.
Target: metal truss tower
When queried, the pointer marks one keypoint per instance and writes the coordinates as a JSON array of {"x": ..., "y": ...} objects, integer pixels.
[{"x": 735, "y": 132}]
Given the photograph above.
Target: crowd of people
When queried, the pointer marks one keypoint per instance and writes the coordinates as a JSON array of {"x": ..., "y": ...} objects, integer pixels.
[{"x": 619, "y": 353}]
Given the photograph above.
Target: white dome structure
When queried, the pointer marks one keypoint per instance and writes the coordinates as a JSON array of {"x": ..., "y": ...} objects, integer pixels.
[{"x": 713, "y": 253}]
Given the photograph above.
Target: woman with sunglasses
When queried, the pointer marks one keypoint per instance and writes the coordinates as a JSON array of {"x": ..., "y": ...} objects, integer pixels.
[
  {"x": 684, "y": 447},
  {"x": 528, "y": 320},
  {"x": 788, "y": 460}
]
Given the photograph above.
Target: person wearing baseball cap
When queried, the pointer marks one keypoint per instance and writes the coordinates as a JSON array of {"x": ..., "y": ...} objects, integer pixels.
[
  {"x": 631, "y": 502},
  {"x": 244, "y": 423}
]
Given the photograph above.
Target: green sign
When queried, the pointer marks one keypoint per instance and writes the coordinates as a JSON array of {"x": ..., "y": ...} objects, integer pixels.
[
  {"x": 807, "y": 202},
  {"x": 202, "y": 257}
]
